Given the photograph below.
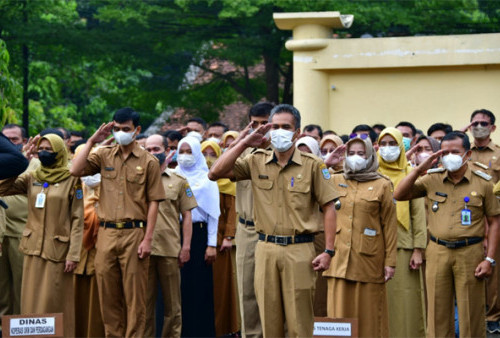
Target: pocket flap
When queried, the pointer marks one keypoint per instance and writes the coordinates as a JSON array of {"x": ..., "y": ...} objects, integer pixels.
[
  {"x": 432, "y": 196},
  {"x": 63, "y": 239},
  {"x": 264, "y": 184}
]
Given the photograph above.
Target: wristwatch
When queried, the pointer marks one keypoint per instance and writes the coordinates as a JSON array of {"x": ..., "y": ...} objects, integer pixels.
[
  {"x": 331, "y": 253},
  {"x": 491, "y": 260}
]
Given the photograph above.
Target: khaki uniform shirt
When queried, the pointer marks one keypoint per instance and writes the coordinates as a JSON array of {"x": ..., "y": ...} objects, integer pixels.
[
  {"x": 366, "y": 238},
  {"x": 53, "y": 232},
  {"x": 227, "y": 218},
  {"x": 244, "y": 196},
  {"x": 487, "y": 160},
  {"x": 126, "y": 186},
  {"x": 416, "y": 235},
  {"x": 178, "y": 199},
  {"x": 284, "y": 197},
  {"x": 446, "y": 222}
]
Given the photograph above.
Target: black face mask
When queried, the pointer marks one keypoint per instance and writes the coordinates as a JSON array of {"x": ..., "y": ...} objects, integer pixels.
[
  {"x": 161, "y": 157},
  {"x": 47, "y": 158}
]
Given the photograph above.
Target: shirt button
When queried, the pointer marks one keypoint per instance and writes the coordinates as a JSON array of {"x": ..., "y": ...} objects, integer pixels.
[
  {"x": 348, "y": 244},
  {"x": 348, "y": 230},
  {"x": 350, "y": 217}
]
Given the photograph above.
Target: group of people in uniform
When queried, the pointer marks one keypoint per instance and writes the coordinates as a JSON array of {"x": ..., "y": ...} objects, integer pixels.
[{"x": 211, "y": 232}]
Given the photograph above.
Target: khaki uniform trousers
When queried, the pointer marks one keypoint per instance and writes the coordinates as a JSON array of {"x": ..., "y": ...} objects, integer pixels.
[
  {"x": 246, "y": 240},
  {"x": 11, "y": 274},
  {"x": 122, "y": 281},
  {"x": 450, "y": 272},
  {"x": 87, "y": 311},
  {"x": 285, "y": 286},
  {"x": 492, "y": 296},
  {"x": 165, "y": 270}
]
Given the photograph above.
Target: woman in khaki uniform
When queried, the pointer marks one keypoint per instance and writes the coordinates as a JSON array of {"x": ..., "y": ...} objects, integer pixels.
[
  {"x": 405, "y": 292},
  {"x": 52, "y": 238},
  {"x": 225, "y": 299},
  {"x": 365, "y": 244},
  {"x": 327, "y": 145}
]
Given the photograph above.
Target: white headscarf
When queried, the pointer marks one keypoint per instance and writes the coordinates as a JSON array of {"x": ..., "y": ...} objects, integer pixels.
[
  {"x": 205, "y": 191},
  {"x": 311, "y": 143}
]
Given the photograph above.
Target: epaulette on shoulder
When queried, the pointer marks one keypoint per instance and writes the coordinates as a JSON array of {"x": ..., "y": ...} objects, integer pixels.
[
  {"x": 386, "y": 177},
  {"x": 178, "y": 175},
  {"x": 261, "y": 151},
  {"x": 481, "y": 165},
  {"x": 482, "y": 174},
  {"x": 436, "y": 170}
]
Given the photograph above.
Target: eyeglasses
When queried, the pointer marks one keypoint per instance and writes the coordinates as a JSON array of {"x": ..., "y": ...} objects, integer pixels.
[
  {"x": 482, "y": 123},
  {"x": 361, "y": 136}
]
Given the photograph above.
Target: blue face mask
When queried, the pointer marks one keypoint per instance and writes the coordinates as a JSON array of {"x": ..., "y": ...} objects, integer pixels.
[
  {"x": 174, "y": 158},
  {"x": 407, "y": 143}
]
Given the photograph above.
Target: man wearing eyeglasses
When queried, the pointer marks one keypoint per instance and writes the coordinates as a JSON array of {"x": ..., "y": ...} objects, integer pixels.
[{"x": 486, "y": 158}]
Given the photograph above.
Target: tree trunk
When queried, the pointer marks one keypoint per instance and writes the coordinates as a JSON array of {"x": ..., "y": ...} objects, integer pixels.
[{"x": 272, "y": 78}]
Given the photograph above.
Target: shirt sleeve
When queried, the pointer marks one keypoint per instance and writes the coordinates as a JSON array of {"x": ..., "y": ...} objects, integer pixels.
[
  {"x": 15, "y": 185},
  {"x": 324, "y": 191},
  {"x": 389, "y": 224},
  {"x": 241, "y": 168},
  {"x": 418, "y": 223},
  {"x": 13, "y": 161},
  {"x": 492, "y": 204},
  {"x": 212, "y": 231},
  {"x": 155, "y": 190},
  {"x": 186, "y": 202},
  {"x": 76, "y": 205},
  {"x": 93, "y": 164},
  {"x": 420, "y": 186},
  {"x": 230, "y": 203}
]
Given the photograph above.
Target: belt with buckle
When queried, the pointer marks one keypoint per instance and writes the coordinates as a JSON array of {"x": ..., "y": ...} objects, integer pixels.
[
  {"x": 246, "y": 223},
  {"x": 124, "y": 225},
  {"x": 286, "y": 240},
  {"x": 457, "y": 244}
]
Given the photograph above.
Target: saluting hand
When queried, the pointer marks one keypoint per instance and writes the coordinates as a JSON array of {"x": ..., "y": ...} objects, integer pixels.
[
  {"x": 102, "y": 133},
  {"x": 464, "y": 129},
  {"x": 321, "y": 262},
  {"x": 29, "y": 148},
  {"x": 429, "y": 162},
  {"x": 257, "y": 138},
  {"x": 336, "y": 156}
]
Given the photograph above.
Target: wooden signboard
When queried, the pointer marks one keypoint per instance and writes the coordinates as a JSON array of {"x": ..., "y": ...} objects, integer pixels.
[
  {"x": 335, "y": 327},
  {"x": 38, "y": 325}
]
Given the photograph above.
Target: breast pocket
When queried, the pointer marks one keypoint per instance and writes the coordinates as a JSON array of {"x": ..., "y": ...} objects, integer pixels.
[
  {"x": 263, "y": 191},
  {"x": 300, "y": 195},
  {"x": 370, "y": 204},
  {"x": 27, "y": 244},
  {"x": 107, "y": 179},
  {"x": 436, "y": 202},
  {"x": 369, "y": 243}
]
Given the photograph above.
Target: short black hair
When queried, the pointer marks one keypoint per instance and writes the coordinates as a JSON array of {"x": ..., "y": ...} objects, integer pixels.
[
  {"x": 485, "y": 112},
  {"x": 409, "y": 125},
  {"x": 329, "y": 132},
  {"x": 198, "y": 120},
  {"x": 141, "y": 136},
  {"x": 65, "y": 132},
  {"x": 345, "y": 138},
  {"x": 262, "y": 109},
  {"x": 56, "y": 131},
  {"x": 312, "y": 127},
  {"x": 439, "y": 126},
  {"x": 76, "y": 133},
  {"x": 364, "y": 127},
  {"x": 455, "y": 135},
  {"x": 219, "y": 124},
  {"x": 77, "y": 143},
  {"x": 24, "y": 134},
  {"x": 126, "y": 114},
  {"x": 173, "y": 135},
  {"x": 287, "y": 108},
  {"x": 379, "y": 126}
]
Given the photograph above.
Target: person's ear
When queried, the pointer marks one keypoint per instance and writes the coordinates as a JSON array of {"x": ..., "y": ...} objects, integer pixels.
[
  {"x": 138, "y": 130},
  {"x": 493, "y": 128}
]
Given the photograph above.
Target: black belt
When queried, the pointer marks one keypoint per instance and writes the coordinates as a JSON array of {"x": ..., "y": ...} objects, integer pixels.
[
  {"x": 285, "y": 240},
  {"x": 246, "y": 223},
  {"x": 457, "y": 244},
  {"x": 124, "y": 225}
]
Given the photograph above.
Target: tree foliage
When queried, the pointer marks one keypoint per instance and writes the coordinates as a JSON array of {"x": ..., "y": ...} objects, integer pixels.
[{"x": 83, "y": 59}]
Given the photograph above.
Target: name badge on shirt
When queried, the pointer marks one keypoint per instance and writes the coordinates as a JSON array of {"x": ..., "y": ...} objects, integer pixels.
[
  {"x": 40, "y": 200},
  {"x": 466, "y": 214},
  {"x": 370, "y": 232}
]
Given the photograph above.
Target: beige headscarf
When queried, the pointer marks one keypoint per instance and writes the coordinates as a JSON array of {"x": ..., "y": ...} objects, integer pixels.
[
  {"x": 59, "y": 171},
  {"x": 370, "y": 172},
  {"x": 396, "y": 171},
  {"x": 333, "y": 138},
  {"x": 225, "y": 185}
]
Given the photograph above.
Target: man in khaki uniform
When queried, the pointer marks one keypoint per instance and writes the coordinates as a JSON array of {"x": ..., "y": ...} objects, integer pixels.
[
  {"x": 486, "y": 157},
  {"x": 167, "y": 255},
  {"x": 456, "y": 267},
  {"x": 246, "y": 237},
  {"x": 128, "y": 206},
  {"x": 286, "y": 184}
]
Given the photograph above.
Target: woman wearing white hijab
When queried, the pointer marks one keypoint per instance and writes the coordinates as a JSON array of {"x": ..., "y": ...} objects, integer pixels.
[
  {"x": 196, "y": 275},
  {"x": 311, "y": 144}
]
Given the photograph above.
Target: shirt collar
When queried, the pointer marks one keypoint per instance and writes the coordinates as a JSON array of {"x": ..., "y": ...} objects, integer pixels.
[
  {"x": 490, "y": 146},
  {"x": 136, "y": 150},
  {"x": 467, "y": 175},
  {"x": 295, "y": 158}
]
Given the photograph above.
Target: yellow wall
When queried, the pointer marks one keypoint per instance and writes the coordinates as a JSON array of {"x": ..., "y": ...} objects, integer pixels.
[{"x": 422, "y": 80}]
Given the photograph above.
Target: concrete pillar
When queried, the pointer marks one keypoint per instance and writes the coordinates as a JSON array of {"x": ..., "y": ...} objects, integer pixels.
[{"x": 311, "y": 33}]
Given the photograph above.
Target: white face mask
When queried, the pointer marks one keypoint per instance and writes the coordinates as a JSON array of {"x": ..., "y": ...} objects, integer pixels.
[
  {"x": 390, "y": 153},
  {"x": 480, "y": 132},
  {"x": 196, "y": 135},
  {"x": 281, "y": 139},
  {"x": 452, "y": 162},
  {"x": 421, "y": 157},
  {"x": 215, "y": 139},
  {"x": 124, "y": 138},
  {"x": 186, "y": 160},
  {"x": 356, "y": 162},
  {"x": 92, "y": 181}
]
